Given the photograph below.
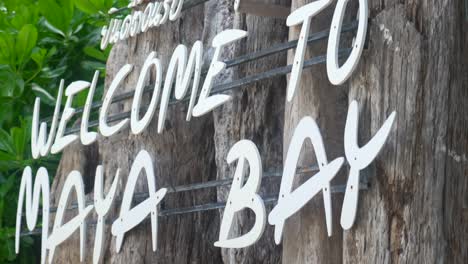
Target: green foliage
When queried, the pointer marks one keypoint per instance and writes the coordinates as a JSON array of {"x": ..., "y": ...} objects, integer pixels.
[
  {"x": 41, "y": 42},
  {"x": 58, "y": 13},
  {"x": 25, "y": 42},
  {"x": 94, "y": 6}
]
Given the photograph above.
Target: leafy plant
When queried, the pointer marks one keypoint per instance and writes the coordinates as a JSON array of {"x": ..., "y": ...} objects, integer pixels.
[{"x": 41, "y": 42}]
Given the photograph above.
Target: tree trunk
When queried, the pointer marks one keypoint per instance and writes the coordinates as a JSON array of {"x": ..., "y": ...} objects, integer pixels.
[
  {"x": 182, "y": 154},
  {"x": 84, "y": 160},
  {"x": 415, "y": 209},
  {"x": 255, "y": 113},
  {"x": 185, "y": 152},
  {"x": 417, "y": 64},
  {"x": 305, "y": 237}
]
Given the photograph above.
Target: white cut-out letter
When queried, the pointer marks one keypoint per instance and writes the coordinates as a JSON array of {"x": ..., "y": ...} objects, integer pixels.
[
  {"x": 244, "y": 196},
  {"x": 61, "y": 232},
  {"x": 62, "y": 141},
  {"x": 146, "y": 18},
  {"x": 302, "y": 15},
  {"x": 167, "y": 10},
  {"x": 185, "y": 72},
  {"x": 206, "y": 102},
  {"x": 359, "y": 159},
  {"x": 336, "y": 74},
  {"x": 291, "y": 202},
  {"x": 41, "y": 184},
  {"x": 105, "y": 35},
  {"x": 39, "y": 146},
  {"x": 176, "y": 9},
  {"x": 105, "y": 129},
  {"x": 87, "y": 138},
  {"x": 129, "y": 218},
  {"x": 125, "y": 27},
  {"x": 155, "y": 15},
  {"x": 137, "y": 125},
  {"x": 102, "y": 206},
  {"x": 115, "y": 33},
  {"x": 135, "y": 25}
]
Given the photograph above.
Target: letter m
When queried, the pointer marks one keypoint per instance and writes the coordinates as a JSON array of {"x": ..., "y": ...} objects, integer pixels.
[{"x": 41, "y": 184}]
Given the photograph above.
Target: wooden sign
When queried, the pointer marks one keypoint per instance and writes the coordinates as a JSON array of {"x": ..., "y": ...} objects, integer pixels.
[{"x": 184, "y": 68}]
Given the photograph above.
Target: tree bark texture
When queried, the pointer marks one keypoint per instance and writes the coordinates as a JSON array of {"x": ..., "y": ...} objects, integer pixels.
[
  {"x": 255, "y": 113},
  {"x": 415, "y": 211}
]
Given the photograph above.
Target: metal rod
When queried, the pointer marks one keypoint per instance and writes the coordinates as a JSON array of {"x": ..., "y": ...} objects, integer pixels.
[
  {"x": 205, "y": 207},
  {"x": 232, "y": 63},
  {"x": 220, "y": 205},
  {"x": 220, "y": 88},
  {"x": 139, "y": 197},
  {"x": 314, "y": 37}
]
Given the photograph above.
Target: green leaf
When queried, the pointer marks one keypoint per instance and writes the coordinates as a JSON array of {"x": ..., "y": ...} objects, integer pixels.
[
  {"x": 25, "y": 42},
  {"x": 94, "y": 6},
  {"x": 13, "y": 4},
  {"x": 2, "y": 210},
  {"x": 6, "y": 143},
  {"x": 18, "y": 135},
  {"x": 80, "y": 99},
  {"x": 7, "y": 186},
  {"x": 109, "y": 3},
  {"x": 24, "y": 14},
  {"x": 6, "y": 113},
  {"x": 3, "y": 250},
  {"x": 7, "y": 49},
  {"x": 95, "y": 53},
  {"x": 55, "y": 30},
  {"x": 58, "y": 13},
  {"x": 51, "y": 52},
  {"x": 38, "y": 56},
  {"x": 45, "y": 96},
  {"x": 12, "y": 85},
  {"x": 27, "y": 240},
  {"x": 93, "y": 65},
  {"x": 87, "y": 6},
  {"x": 11, "y": 250},
  {"x": 52, "y": 74},
  {"x": 8, "y": 162}
]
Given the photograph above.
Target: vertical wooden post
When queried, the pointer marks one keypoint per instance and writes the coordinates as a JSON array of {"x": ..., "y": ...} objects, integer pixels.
[
  {"x": 255, "y": 113},
  {"x": 416, "y": 64},
  {"x": 305, "y": 235}
]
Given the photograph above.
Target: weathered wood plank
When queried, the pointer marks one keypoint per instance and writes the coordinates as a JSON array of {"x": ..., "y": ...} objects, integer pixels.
[
  {"x": 415, "y": 209},
  {"x": 416, "y": 64},
  {"x": 305, "y": 234},
  {"x": 254, "y": 113}
]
